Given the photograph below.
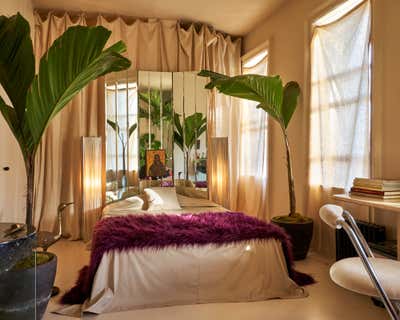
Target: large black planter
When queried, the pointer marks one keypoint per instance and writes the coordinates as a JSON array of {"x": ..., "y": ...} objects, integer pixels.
[
  {"x": 17, "y": 291},
  {"x": 300, "y": 234},
  {"x": 15, "y": 246}
]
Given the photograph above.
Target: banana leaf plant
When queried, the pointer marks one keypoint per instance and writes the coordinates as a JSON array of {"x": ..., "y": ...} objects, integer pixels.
[
  {"x": 278, "y": 100},
  {"x": 74, "y": 59},
  {"x": 159, "y": 110},
  {"x": 124, "y": 142},
  {"x": 187, "y": 132}
]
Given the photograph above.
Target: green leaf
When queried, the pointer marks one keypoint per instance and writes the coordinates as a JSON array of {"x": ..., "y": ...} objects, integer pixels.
[
  {"x": 154, "y": 98},
  {"x": 193, "y": 127},
  {"x": 291, "y": 93},
  {"x": 213, "y": 75},
  {"x": 113, "y": 125},
  {"x": 17, "y": 63},
  {"x": 11, "y": 118},
  {"x": 267, "y": 90},
  {"x": 74, "y": 59},
  {"x": 132, "y": 129}
]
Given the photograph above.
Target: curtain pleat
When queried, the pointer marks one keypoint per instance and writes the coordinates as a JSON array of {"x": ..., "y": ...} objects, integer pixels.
[{"x": 152, "y": 45}]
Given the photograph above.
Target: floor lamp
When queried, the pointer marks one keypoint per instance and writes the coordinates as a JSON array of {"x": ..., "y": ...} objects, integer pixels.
[
  {"x": 91, "y": 184},
  {"x": 219, "y": 157}
]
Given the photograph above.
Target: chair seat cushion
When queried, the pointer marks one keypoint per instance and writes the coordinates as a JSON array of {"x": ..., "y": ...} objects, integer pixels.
[{"x": 350, "y": 274}]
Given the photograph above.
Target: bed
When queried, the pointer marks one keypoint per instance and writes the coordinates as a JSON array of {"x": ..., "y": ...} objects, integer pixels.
[{"x": 200, "y": 253}]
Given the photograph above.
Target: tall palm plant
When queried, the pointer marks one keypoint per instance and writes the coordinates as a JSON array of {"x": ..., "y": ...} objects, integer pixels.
[
  {"x": 278, "y": 100},
  {"x": 124, "y": 143},
  {"x": 159, "y": 110},
  {"x": 75, "y": 58},
  {"x": 187, "y": 133}
]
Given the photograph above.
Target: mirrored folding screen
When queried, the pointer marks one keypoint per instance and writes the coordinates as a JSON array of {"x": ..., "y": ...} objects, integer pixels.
[{"x": 156, "y": 129}]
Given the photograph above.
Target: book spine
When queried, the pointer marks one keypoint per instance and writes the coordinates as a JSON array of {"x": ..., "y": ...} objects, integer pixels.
[{"x": 375, "y": 196}]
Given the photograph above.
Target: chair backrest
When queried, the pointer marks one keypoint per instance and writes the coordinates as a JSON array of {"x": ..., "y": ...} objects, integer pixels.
[
  {"x": 332, "y": 215},
  {"x": 335, "y": 217},
  {"x": 60, "y": 209}
]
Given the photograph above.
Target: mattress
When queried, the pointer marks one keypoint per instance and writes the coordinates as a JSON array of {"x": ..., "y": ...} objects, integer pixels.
[
  {"x": 243, "y": 271},
  {"x": 250, "y": 271}
]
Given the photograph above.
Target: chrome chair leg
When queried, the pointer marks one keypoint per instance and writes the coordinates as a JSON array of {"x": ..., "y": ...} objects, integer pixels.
[{"x": 392, "y": 310}]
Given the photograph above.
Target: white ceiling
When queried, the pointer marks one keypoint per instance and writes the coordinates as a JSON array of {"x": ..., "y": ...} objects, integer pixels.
[{"x": 236, "y": 17}]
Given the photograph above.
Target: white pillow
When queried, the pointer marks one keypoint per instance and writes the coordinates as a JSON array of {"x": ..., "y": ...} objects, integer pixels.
[
  {"x": 126, "y": 205},
  {"x": 162, "y": 198}
]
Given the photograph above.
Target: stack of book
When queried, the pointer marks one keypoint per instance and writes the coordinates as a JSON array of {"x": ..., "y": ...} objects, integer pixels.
[{"x": 376, "y": 188}]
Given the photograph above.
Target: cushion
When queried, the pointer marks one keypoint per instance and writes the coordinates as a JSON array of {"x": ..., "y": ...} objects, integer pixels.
[
  {"x": 162, "y": 198},
  {"x": 350, "y": 274},
  {"x": 192, "y": 192},
  {"x": 126, "y": 205}
]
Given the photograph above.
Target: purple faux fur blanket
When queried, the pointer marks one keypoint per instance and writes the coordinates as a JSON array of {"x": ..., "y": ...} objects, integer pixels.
[{"x": 160, "y": 231}]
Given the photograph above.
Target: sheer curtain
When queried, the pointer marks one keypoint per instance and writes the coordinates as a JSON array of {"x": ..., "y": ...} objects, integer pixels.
[
  {"x": 152, "y": 45},
  {"x": 340, "y": 107},
  {"x": 252, "y": 158}
]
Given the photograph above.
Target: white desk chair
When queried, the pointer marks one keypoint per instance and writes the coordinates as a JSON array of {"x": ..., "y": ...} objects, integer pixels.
[{"x": 376, "y": 277}]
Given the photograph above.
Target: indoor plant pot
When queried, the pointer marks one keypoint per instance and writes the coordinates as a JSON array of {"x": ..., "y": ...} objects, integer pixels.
[
  {"x": 300, "y": 232},
  {"x": 17, "y": 289}
]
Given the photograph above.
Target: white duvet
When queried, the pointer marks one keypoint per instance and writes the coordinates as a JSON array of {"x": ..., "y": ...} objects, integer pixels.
[{"x": 245, "y": 271}]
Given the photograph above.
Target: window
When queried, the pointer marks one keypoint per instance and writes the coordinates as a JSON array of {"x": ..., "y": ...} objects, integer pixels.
[
  {"x": 340, "y": 95},
  {"x": 253, "y": 124}
]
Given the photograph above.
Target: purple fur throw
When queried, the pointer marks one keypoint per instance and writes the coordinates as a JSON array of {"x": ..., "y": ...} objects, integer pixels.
[{"x": 160, "y": 231}]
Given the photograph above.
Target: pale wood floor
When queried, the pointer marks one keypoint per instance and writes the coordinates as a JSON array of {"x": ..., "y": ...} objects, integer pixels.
[{"x": 325, "y": 302}]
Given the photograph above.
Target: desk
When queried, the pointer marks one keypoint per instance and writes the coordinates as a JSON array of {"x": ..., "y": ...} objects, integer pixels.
[{"x": 389, "y": 205}]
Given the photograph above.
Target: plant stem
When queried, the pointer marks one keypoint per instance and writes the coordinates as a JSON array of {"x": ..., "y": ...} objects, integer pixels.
[
  {"x": 187, "y": 164},
  {"x": 30, "y": 175},
  {"x": 292, "y": 195}
]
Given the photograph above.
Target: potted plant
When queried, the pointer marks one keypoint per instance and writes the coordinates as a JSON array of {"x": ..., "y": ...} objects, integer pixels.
[
  {"x": 74, "y": 59},
  {"x": 187, "y": 133},
  {"x": 124, "y": 143},
  {"x": 279, "y": 102}
]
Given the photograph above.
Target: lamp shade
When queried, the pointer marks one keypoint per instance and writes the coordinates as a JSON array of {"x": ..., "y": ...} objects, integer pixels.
[
  {"x": 91, "y": 184},
  {"x": 219, "y": 163}
]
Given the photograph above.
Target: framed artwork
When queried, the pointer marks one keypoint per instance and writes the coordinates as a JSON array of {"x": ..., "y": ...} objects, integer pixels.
[{"x": 155, "y": 164}]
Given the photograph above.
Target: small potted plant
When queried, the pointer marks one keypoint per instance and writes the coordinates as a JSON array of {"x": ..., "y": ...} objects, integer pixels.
[
  {"x": 75, "y": 58},
  {"x": 279, "y": 102},
  {"x": 186, "y": 134}
]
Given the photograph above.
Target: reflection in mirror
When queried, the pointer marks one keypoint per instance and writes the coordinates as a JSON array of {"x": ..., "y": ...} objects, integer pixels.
[
  {"x": 190, "y": 120},
  {"x": 121, "y": 135},
  {"x": 155, "y": 126}
]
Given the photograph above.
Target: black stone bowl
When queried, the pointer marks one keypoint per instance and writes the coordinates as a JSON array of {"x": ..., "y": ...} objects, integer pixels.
[{"x": 15, "y": 246}]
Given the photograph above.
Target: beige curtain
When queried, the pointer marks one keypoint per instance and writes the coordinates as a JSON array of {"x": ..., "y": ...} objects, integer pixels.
[
  {"x": 340, "y": 110},
  {"x": 153, "y": 45}
]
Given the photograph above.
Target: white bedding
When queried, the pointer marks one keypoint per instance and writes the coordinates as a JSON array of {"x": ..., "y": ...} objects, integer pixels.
[
  {"x": 244, "y": 271},
  {"x": 189, "y": 205},
  {"x": 141, "y": 279}
]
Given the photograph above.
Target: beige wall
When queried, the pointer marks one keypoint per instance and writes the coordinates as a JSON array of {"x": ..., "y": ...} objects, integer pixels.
[
  {"x": 288, "y": 33},
  {"x": 12, "y": 182}
]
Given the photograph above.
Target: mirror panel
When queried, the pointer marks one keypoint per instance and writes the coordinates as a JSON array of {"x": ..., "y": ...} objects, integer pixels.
[
  {"x": 155, "y": 125},
  {"x": 121, "y": 134},
  {"x": 155, "y": 130},
  {"x": 190, "y": 149}
]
